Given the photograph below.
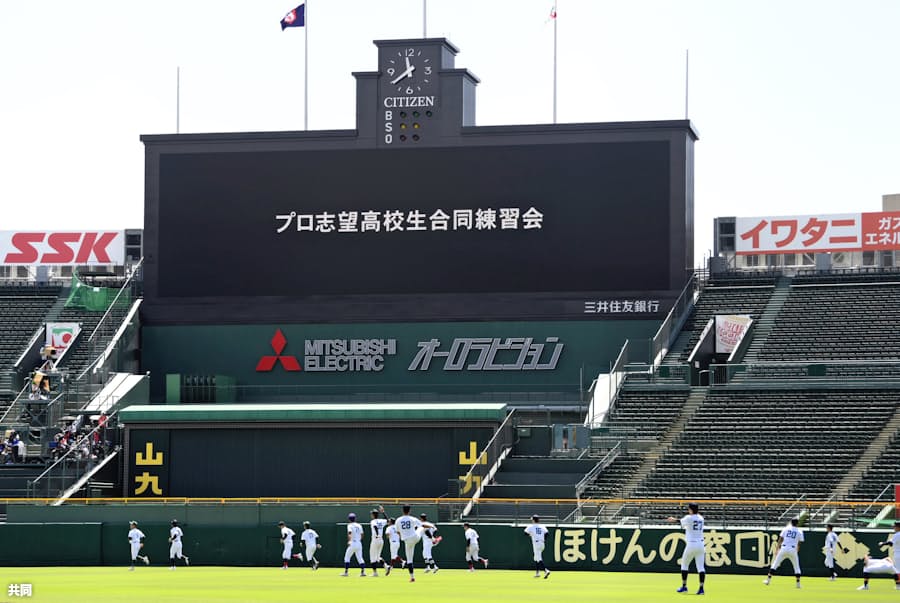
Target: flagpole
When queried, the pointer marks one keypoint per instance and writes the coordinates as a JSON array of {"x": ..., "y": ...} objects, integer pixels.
[
  {"x": 306, "y": 66},
  {"x": 424, "y": 18},
  {"x": 178, "y": 99},
  {"x": 687, "y": 64},
  {"x": 554, "y": 63}
]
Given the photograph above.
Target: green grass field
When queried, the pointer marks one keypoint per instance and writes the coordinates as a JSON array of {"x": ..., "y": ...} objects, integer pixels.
[{"x": 208, "y": 584}]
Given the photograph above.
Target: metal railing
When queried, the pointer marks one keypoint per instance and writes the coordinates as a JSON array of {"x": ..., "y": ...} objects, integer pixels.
[
  {"x": 670, "y": 328},
  {"x": 487, "y": 460},
  {"x": 718, "y": 513},
  {"x": 725, "y": 513},
  {"x": 125, "y": 286},
  {"x": 78, "y": 459},
  {"x": 383, "y": 392},
  {"x": 784, "y": 515},
  {"x": 605, "y": 462},
  {"x": 88, "y": 383},
  {"x": 887, "y": 490},
  {"x": 824, "y": 372}
]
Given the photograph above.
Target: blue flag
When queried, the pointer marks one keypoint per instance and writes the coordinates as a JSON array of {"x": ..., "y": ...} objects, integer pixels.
[{"x": 295, "y": 18}]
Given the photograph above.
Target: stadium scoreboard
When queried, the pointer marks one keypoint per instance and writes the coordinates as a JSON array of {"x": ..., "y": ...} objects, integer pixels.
[{"x": 418, "y": 214}]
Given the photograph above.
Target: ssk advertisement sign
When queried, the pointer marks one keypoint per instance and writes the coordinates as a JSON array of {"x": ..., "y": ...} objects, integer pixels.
[{"x": 62, "y": 248}]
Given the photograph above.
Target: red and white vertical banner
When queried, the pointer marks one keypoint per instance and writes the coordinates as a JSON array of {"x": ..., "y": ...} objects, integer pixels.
[
  {"x": 729, "y": 330},
  {"x": 897, "y": 500}
]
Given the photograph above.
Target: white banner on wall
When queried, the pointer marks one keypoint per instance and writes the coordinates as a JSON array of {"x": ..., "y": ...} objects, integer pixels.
[
  {"x": 729, "y": 330},
  {"x": 60, "y": 335}
]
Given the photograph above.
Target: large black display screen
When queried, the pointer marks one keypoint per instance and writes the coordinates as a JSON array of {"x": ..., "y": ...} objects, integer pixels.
[{"x": 584, "y": 217}]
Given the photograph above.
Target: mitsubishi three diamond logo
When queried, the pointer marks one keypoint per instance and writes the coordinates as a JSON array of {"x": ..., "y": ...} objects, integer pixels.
[{"x": 288, "y": 363}]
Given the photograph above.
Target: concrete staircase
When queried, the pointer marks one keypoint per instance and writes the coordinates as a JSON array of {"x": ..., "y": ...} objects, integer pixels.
[
  {"x": 58, "y": 305},
  {"x": 766, "y": 322},
  {"x": 691, "y": 405},
  {"x": 869, "y": 456}
]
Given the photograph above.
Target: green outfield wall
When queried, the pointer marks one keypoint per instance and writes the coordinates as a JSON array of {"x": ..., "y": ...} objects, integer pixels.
[{"x": 256, "y": 543}]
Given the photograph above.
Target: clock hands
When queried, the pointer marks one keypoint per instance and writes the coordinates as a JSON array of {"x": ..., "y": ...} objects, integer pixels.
[{"x": 409, "y": 69}]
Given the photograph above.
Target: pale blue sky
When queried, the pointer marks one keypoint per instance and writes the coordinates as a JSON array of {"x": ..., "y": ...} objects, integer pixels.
[{"x": 797, "y": 101}]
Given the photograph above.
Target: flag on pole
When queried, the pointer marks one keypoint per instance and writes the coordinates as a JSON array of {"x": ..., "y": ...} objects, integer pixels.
[
  {"x": 552, "y": 16},
  {"x": 295, "y": 18}
]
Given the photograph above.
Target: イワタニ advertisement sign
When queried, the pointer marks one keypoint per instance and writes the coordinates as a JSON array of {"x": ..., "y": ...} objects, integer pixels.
[
  {"x": 818, "y": 233},
  {"x": 729, "y": 330},
  {"x": 60, "y": 335},
  {"x": 62, "y": 248}
]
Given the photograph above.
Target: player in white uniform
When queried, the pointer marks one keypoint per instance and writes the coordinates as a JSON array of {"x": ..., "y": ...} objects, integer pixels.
[
  {"x": 377, "y": 525},
  {"x": 472, "y": 548},
  {"x": 354, "y": 546},
  {"x": 408, "y": 527},
  {"x": 694, "y": 549},
  {"x": 175, "y": 550},
  {"x": 832, "y": 544},
  {"x": 894, "y": 541},
  {"x": 538, "y": 535},
  {"x": 287, "y": 541},
  {"x": 136, "y": 540},
  {"x": 393, "y": 536},
  {"x": 310, "y": 538},
  {"x": 886, "y": 565},
  {"x": 427, "y": 531},
  {"x": 790, "y": 538}
]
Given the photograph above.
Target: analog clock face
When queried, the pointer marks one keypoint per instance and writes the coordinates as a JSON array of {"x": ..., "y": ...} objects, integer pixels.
[{"x": 408, "y": 71}]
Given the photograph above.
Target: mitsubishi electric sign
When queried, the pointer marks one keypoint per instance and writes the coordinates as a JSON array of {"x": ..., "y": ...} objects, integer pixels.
[
  {"x": 456, "y": 354},
  {"x": 382, "y": 358},
  {"x": 340, "y": 355}
]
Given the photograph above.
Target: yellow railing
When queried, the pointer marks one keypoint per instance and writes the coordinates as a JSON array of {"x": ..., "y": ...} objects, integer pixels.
[{"x": 805, "y": 503}]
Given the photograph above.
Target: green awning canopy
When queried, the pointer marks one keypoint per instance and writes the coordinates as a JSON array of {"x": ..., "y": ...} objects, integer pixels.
[{"x": 231, "y": 413}]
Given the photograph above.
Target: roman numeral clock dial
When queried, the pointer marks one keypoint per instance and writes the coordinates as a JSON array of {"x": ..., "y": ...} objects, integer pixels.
[{"x": 408, "y": 85}]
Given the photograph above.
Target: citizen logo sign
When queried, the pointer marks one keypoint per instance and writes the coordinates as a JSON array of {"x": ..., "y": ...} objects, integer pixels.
[
  {"x": 288, "y": 363},
  {"x": 408, "y": 101},
  {"x": 62, "y": 248}
]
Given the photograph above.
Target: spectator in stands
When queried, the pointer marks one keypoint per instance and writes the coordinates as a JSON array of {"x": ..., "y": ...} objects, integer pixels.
[
  {"x": 101, "y": 423},
  {"x": 35, "y": 392},
  {"x": 12, "y": 445},
  {"x": 45, "y": 388},
  {"x": 49, "y": 356},
  {"x": 21, "y": 450}
]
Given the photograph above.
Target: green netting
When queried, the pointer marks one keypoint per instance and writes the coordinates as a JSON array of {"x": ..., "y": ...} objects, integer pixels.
[{"x": 94, "y": 299}]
